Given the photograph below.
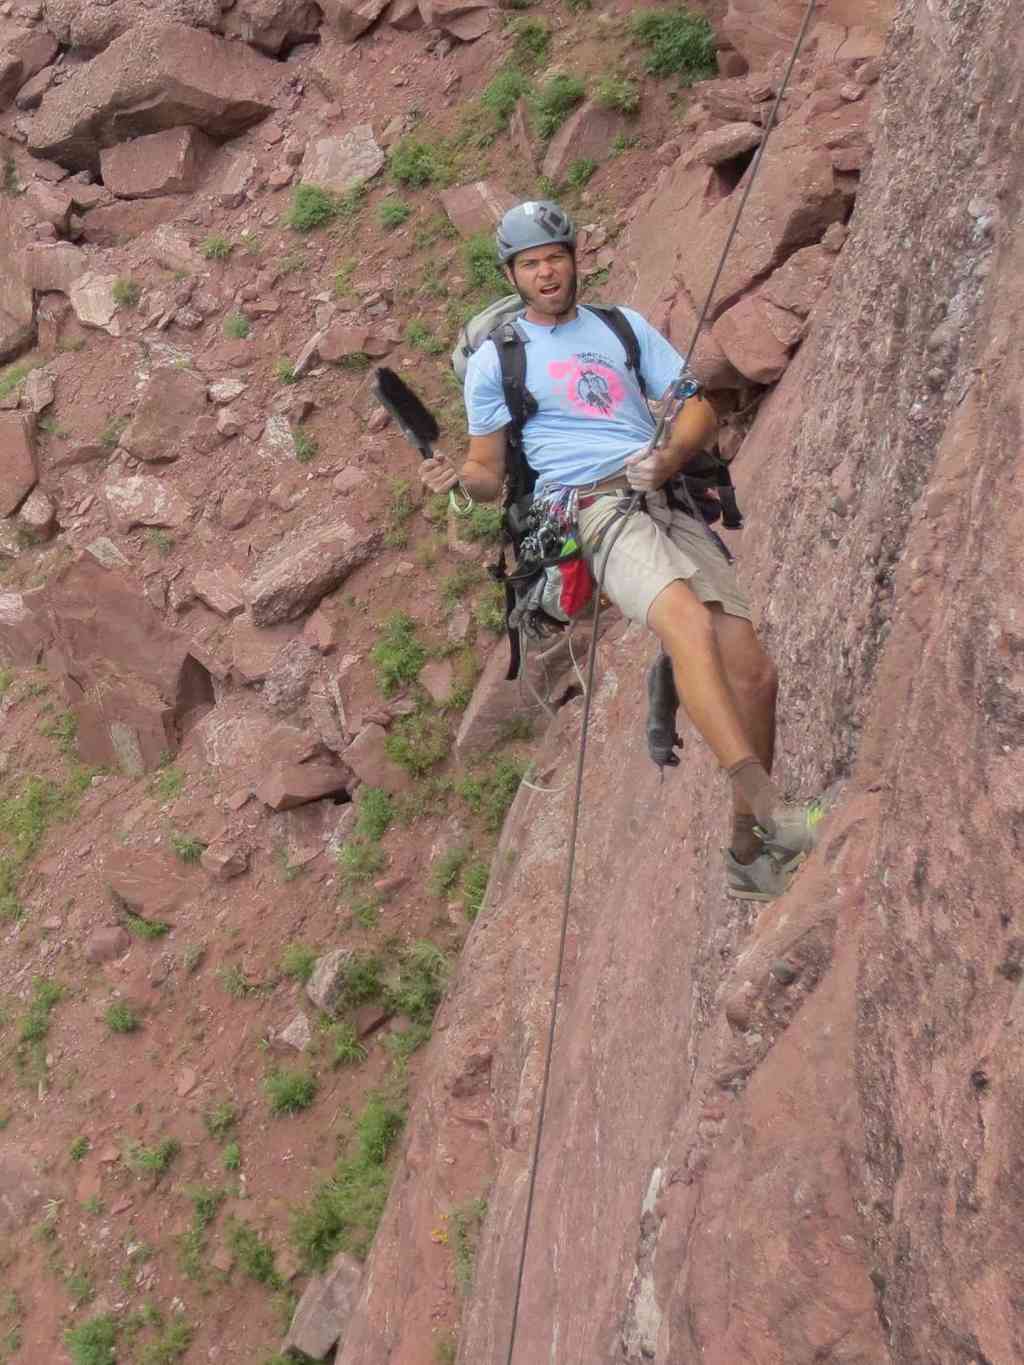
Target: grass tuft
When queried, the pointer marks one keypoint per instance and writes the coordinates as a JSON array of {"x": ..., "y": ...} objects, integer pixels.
[
  {"x": 678, "y": 42},
  {"x": 121, "y": 1018},
  {"x": 397, "y": 656},
  {"x": 290, "y": 1091},
  {"x": 216, "y": 248}
]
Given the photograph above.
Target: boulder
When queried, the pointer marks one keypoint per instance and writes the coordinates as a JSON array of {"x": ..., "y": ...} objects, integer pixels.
[
  {"x": 93, "y": 27},
  {"x": 272, "y": 25},
  {"x": 324, "y": 1310},
  {"x": 106, "y": 943},
  {"x": 168, "y": 162},
  {"x": 50, "y": 204},
  {"x": 296, "y": 1036},
  {"x": 131, "y": 681},
  {"x": 798, "y": 284},
  {"x": 368, "y": 759},
  {"x": 231, "y": 178},
  {"x": 220, "y": 590},
  {"x": 31, "y": 94},
  {"x": 17, "y": 459},
  {"x": 171, "y": 399},
  {"x": 794, "y": 199},
  {"x": 92, "y": 298},
  {"x": 724, "y": 143},
  {"x": 127, "y": 219},
  {"x": 292, "y": 580},
  {"x": 154, "y": 885},
  {"x": 38, "y": 391},
  {"x": 477, "y": 207},
  {"x": 141, "y": 500},
  {"x": 339, "y": 163},
  {"x": 288, "y": 785},
  {"x": 338, "y": 341},
  {"x": 404, "y": 15},
  {"x": 290, "y": 674},
  {"x": 350, "y": 18},
  {"x": 37, "y": 515},
  {"x": 153, "y": 77},
  {"x": 22, "y": 628},
  {"x": 54, "y": 267},
  {"x": 750, "y": 343},
  {"x": 23, "y": 53},
  {"x": 225, "y": 858},
  {"x": 846, "y": 30},
  {"x": 17, "y": 320},
  {"x": 326, "y": 984},
  {"x": 466, "y": 20},
  {"x": 586, "y": 135}
]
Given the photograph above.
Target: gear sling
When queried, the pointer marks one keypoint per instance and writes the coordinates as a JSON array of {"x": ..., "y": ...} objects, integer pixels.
[{"x": 707, "y": 483}]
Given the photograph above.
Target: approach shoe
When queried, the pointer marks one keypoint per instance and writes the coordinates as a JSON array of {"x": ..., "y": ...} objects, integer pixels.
[
  {"x": 797, "y": 826},
  {"x": 764, "y": 879}
]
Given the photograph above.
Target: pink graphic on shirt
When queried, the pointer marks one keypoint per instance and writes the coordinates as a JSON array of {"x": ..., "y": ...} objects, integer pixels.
[{"x": 592, "y": 388}]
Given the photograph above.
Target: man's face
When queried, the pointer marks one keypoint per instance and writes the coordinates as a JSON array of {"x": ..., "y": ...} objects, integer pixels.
[{"x": 546, "y": 278}]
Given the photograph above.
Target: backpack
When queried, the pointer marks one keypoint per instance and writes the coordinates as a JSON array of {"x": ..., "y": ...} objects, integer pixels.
[{"x": 707, "y": 484}]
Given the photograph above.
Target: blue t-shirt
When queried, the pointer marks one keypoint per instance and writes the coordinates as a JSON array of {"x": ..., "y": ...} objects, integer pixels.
[{"x": 591, "y": 413}]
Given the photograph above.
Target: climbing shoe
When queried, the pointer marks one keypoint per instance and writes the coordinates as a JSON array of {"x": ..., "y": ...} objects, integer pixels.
[
  {"x": 796, "y": 827},
  {"x": 662, "y": 705},
  {"x": 764, "y": 879}
]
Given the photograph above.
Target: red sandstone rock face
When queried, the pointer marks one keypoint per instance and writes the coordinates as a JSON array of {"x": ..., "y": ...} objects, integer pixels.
[{"x": 786, "y": 1134}]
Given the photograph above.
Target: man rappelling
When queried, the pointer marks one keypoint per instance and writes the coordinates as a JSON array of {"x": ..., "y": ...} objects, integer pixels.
[{"x": 579, "y": 417}]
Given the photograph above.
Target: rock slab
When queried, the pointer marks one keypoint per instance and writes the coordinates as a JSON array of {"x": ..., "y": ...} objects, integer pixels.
[
  {"x": 168, "y": 162},
  {"x": 325, "y": 1308},
  {"x": 295, "y": 579}
]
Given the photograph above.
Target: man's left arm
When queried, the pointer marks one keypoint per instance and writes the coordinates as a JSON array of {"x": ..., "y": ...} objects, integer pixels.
[{"x": 693, "y": 430}]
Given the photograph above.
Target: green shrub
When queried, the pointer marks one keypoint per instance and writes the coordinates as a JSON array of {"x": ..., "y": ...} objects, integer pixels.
[
  {"x": 678, "y": 42},
  {"x": 532, "y": 42},
  {"x": 490, "y": 609},
  {"x": 376, "y": 812},
  {"x": 482, "y": 525},
  {"x": 121, "y": 1018},
  {"x": 358, "y": 862},
  {"x": 397, "y": 656},
  {"x": 392, "y": 213},
  {"x": 307, "y": 447},
  {"x": 464, "y": 1224},
  {"x": 35, "y": 1022},
  {"x": 500, "y": 97},
  {"x": 346, "y": 1049},
  {"x": 491, "y": 794},
  {"x": 474, "y": 889},
  {"x": 254, "y": 1255},
  {"x": 423, "y": 974},
  {"x": 483, "y": 273},
  {"x": 418, "y": 334},
  {"x": 92, "y": 1342},
  {"x": 79, "y": 1149},
  {"x": 236, "y": 326},
  {"x": 145, "y": 928},
  {"x": 284, "y": 371},
  {"x": 415, "y": 163},
  {"x": 311, "y": 207},
  {"x": 170, "y": 1346},
  {"x": 618, "y": 92},
  {"x": 188, "y": 848},
  {"x": 152, "y": 1160},
  {"x": 362, "y": 979},
  {"x": 344, "y": 1210},
  {"x": 14, "y": 376},
  {"x": 290, "y": 1091},
  {"x": 418, "y": 741},
  {"x": 232, "y": 1157},
  {"x": 580, "y": 172},
  {"x": 216, "y": 248},
  {"x": 298, "y": 961},
  {"x": 126, "y": 293},
  {"x": 554, "y": 102},
  {"x": 445, "y": 871}
]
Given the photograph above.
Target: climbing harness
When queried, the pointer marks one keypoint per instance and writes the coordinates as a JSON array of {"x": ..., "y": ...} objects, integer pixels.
[{"x": 678, "y": 394}]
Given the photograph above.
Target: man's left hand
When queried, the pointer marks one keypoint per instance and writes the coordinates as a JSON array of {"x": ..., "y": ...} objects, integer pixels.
[{"x": 648, "y": 470}]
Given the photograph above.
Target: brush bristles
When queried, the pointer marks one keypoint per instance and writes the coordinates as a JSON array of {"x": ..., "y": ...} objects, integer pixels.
[{"x": 406, "y": 408}]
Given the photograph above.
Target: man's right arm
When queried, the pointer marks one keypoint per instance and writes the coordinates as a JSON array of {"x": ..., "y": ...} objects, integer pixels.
[{"x": 483, "y": 474}]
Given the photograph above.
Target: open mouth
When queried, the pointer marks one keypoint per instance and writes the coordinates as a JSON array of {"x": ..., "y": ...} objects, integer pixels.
[{"x": 548, "y": 289}]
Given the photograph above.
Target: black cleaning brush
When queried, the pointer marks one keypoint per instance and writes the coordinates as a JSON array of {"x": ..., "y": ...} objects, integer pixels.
[{"x": 417, "y": 422}]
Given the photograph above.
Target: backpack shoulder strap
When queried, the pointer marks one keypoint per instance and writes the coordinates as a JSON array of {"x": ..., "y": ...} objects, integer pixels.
[
  {"x": 510, "y": 344},
  {"x": 615, "y": 319}
]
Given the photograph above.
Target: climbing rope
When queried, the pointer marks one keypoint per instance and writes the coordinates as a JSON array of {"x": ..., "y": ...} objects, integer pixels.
[{"x": 635, "y": 502}]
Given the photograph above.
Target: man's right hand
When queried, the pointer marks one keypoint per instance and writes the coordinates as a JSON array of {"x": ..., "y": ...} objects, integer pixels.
[{"x": 438, "y": 473}]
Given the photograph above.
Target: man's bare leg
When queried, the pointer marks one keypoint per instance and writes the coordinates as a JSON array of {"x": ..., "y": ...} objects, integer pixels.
[
  {"x": 753, "y": 681},
  {"x": 687, "y": 631}
]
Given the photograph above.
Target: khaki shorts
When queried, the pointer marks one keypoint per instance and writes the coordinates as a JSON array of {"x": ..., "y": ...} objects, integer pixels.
[{"x": 652, "y": 551}]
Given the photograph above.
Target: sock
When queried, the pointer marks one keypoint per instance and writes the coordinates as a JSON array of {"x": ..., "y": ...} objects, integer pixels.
[
  {"x": 744, "y": 845},
  {"x": 757, "y": 789}
]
